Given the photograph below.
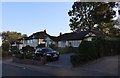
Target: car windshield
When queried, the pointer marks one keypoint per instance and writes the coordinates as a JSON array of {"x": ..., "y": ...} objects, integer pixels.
[
  {"x": 38, "y": 50},
  {"x": 47, "y": 50}
]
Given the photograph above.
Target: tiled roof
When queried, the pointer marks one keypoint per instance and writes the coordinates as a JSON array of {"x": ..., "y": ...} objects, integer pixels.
[
  {"x": 54, "y": 38},
  {"x": 74, "y": 36},
  {"x": 38, "y": 35},
  {"x": 67, "y": 36}
]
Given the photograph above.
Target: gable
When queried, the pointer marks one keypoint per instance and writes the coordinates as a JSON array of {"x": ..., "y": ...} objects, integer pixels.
[{"x": 90, "y": 34}]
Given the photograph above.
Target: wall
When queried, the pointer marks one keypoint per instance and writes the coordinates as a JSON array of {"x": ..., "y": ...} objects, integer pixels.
[
  {"x": 73, "y": 43},
  {"x": 62, "y": 44}
]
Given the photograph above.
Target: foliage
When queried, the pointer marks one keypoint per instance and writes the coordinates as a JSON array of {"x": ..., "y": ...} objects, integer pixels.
[
  {"x": 15, "y": 50},
  {"x": 84, "y": 15},
  {"x": 88, "y": 49},
  {"x": 5, "y": 46},
  {"x": 95, "y": 49},
  {"x": 11, "y": 36},
  {"x": 27, "y": 52},
  {"x": 7, "y": 38}
]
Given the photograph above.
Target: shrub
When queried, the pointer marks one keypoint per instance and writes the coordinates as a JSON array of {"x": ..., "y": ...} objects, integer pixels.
[
  {"x": 88, "y": 50},
  {"x": 108, "y": 47},
  {"x": 27, "y": 52},
  {"x": 14, "y": 50},
  {"x": 95, "y": 49}
]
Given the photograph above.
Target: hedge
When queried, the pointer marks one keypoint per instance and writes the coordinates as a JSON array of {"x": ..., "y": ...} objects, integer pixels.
[{"x": 91, "y": 50}]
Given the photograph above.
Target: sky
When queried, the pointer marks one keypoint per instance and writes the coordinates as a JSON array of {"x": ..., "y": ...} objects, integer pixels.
[{"x": 31, "y": 17}]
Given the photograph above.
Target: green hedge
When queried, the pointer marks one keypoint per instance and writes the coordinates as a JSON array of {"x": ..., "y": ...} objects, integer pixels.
[
  {"x": 95, "y": 49},
  {"x": 88, "y": 50},
  {"x": 99, "y": 48},
  {"x": 108, "y": 47}
]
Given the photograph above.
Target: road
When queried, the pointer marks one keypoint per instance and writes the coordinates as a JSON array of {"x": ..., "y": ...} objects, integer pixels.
[
  {"x": 11, "y": 70},
  {"x": 107, "y": 66},
  {"x": 29, "y": 70}
]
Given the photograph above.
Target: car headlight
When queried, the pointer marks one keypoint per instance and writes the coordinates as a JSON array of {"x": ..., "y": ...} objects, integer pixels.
[
  {"x": 48, "y": 54},
  {"x": 57, "y": 52}
]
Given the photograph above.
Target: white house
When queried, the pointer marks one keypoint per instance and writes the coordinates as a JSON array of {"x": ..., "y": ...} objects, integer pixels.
[
  {"x": 18, "y": 43},
  {"x": 63, "y": 40},
  {"x": 75, "y": 38},
  {"x": 38, "y": 38}
]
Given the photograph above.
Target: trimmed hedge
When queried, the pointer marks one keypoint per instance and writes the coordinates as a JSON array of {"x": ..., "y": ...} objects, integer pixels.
[{"x": 95, "y": 49}]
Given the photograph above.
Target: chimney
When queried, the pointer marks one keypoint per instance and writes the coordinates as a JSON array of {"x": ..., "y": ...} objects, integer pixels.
[
  {"x": 60, "y": 33},
  {"x": 45, "y": 31}
]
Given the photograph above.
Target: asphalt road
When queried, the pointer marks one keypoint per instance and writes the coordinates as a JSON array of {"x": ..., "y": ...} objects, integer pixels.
[
  {"x": 107, "y": 66},
  {"x": 11, "y": 70},
  {"x": 64, "y": 61}
]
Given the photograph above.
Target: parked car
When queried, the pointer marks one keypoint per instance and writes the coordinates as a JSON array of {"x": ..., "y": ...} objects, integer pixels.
[{"x": 49, "y": 53}]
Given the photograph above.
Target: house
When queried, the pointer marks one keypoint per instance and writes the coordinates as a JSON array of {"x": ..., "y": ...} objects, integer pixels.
[
  {"x": 53, "y": 40},
  {"x": 63, "y": 40},
  {"x": 74, "y": 38},
  {"x": 38, "y": 38},
  {"x": 18, "y": 43}
]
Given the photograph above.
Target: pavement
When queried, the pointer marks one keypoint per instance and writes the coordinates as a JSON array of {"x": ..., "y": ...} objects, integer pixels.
[
  {"x": 106, "y": 66},
  {"x": 64, "y": 61}
]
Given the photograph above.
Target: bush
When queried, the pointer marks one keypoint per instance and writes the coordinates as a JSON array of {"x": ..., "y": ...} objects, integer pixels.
[
  {"x": 99, "y": 48},
  {"x": 14, "y": 50},
  {"x": 27, "y": 52},
  {"x": 95, "y": 49},
  {"x": 108, "y": 47},
  {"x": 88, "y": 50}
]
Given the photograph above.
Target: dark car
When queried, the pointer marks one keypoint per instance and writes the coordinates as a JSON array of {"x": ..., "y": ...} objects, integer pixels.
[{"x": 49, "y": 53}]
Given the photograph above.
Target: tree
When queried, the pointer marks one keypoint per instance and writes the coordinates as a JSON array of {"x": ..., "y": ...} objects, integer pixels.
[
  {"x": 84, "y": 15},
  {"x": 5, "y": 46},
  {"x": 7, "y": 38},
  {"x": 24, "y": 35},
  {"x": 11, "y": 36}
]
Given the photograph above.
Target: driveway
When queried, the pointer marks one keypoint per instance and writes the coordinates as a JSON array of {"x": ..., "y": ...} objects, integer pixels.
[
  {"x": 64, "y": 61},
  {"x": 107, "y": 64}
]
